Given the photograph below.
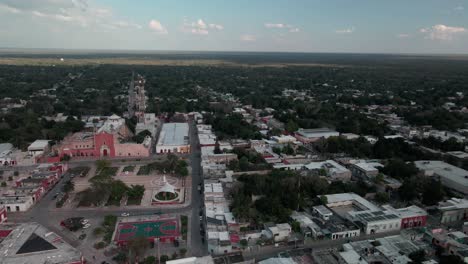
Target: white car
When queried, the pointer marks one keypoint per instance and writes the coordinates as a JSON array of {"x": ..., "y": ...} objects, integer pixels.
[
  {"x": 86, "y": 226},
  {"x": 85, "y": 221},
  {"x": 125, "y": 214}
]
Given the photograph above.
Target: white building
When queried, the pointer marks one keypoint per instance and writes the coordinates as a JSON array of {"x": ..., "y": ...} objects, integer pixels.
[
  {"x": 312, "y": 135},
  {"x": 38, "y": 147},
  {"x": 365, "y": 170},
  {"x": 17, "y": 203},
  {"x": 451, "y": 176},
  {"x": 279, "y": 232},
  {"x": 173, "y": 138}
]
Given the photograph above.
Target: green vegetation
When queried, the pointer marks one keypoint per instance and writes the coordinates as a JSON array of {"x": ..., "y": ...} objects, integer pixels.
[
  {"x": 166, "y": 196},
  {"x": 79, "y": 171},
  {"x": 232, "y": 126},
  {"x": 184, "y": 226},
  {"x": 129, "y": 168},
  {"x": 248, "y": 160},
  {"x": 173, "y": 165},
  {"x": 279, "y": 192}
]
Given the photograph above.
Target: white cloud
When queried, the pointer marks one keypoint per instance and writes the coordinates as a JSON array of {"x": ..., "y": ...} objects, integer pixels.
[
  {"x": 345, "y": 31},
  {"x": 442, "y": 32},
  {"x": 274, "y": 25},
  {"x": 403, "y": 35},
  {"x": 290, "y": 28},
  {"x": 459, "y": 8},
  {"x": 157, "y": 27},
  {"x": 71, "y": 12},
  {"x": 248, "y": 38},
  {"x": 216, "y": 26},
  {"x": 200, "y": 27},
  {"x": 9, "y": 9}
]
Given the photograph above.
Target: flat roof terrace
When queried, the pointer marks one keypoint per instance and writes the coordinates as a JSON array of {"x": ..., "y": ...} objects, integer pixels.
[{"x": 174, "y": 134}]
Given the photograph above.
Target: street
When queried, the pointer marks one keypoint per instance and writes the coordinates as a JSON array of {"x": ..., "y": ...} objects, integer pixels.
[{"x": 45, "y": 213}]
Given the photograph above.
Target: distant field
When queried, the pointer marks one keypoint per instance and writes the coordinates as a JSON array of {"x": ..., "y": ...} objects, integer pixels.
[
  {"x": 150, "y": 62},
  {"x": 234, "y": 59}
]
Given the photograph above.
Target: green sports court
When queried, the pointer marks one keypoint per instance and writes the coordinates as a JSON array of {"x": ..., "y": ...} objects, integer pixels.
[{"x": 165, "y": 229}]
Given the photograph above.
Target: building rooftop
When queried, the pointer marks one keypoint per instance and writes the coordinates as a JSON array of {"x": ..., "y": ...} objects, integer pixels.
[
  {"x": 339, "y": 198},
  {"x": 368, "y": 166},
  {"x": 5, "y": 149},
  {"x": 458, "y": 154},
  {"x": 32, "y": 243},
  {"x": 174, "y": 134},
  {"x": 444, "y": 170},
  {"x": 192, "y": 260},
  {"x": 39, "y": 144},
  {"x": 314, "y": 132}
]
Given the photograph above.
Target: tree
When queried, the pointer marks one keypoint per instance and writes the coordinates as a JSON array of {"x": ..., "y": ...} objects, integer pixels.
[
  {"x": 323, "y": 200},
  {"x": 137, "y": 247},
  {"x": 433, "y": 193},
  {"x": 217, "y": 149},
  {"x": 291, "y": 126},
  {"x": 65, "y": 158},
  {"x": 244, "y": 243},
  {"x": 163, "y": 258},
  {"x": 149, "y": 260},
  {"x": 244, "y": 164},
  {"x": 68, "y": 186},
  {"x": 417, "y": 257},
  {"x": 121, "y": 257},
  {"x": 296, "y": 226},
  {"x": 181, "y": 168},
  {"x": 101, "y": 164},
  {"x": 382, "y": 197},
  {"x": 399, "y": 169}
]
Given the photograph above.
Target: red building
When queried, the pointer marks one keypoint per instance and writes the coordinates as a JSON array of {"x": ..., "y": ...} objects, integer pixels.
[
  {"x": 412, "y": 216},
  {"x": 109, "y": 141}
]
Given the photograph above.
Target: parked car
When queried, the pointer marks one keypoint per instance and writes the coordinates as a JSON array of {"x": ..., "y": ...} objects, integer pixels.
[
  {"x": 82, "y": 236},
  {"x": 86, "y": 226},
  {"x": 125, "y": 214}
]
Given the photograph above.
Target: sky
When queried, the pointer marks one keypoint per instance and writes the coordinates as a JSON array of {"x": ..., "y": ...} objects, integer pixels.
[{"x": 356, "y": 26}]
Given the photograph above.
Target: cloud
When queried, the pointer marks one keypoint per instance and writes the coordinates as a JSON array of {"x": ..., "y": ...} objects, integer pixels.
[
  {"x": 71, "y": 12},
  {"x": 345, "y": 31},
  {"x": 9, "y": 9},
  {"x": 403, "y": 35},
  {"x": 157, "y": 27},
  {"x": 216, "y": 26},
  {"x": 272, "y": 25},
  {"x": 459, "y": 8},
  {"x": 200, "y": 27},
  {"x": 290, "y": 28},
  {"x": 442, "y": 32},
  {"x": 248, "y": 38}
]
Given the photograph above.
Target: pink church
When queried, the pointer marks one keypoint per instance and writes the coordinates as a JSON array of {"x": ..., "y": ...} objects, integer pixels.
[{"x": 108, "y": 141}]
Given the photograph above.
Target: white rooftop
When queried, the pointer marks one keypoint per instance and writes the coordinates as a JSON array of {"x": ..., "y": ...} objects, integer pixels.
[
  {"x": 346, "y": 197},
  {"x": 39, "y": 144},
  {"x": 368, "y": 166},
  {"x": 444, "y": 170},
  {"x": 174, "y": 134}
]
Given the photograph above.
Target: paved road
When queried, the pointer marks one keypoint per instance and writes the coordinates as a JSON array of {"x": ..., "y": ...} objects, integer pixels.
[
  {"x": 198, "y": 248},
  {"x": 45, "y": 213}
]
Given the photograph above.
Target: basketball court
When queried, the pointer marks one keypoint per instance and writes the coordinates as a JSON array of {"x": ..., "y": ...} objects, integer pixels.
[{"x": 164, "y": 229}]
